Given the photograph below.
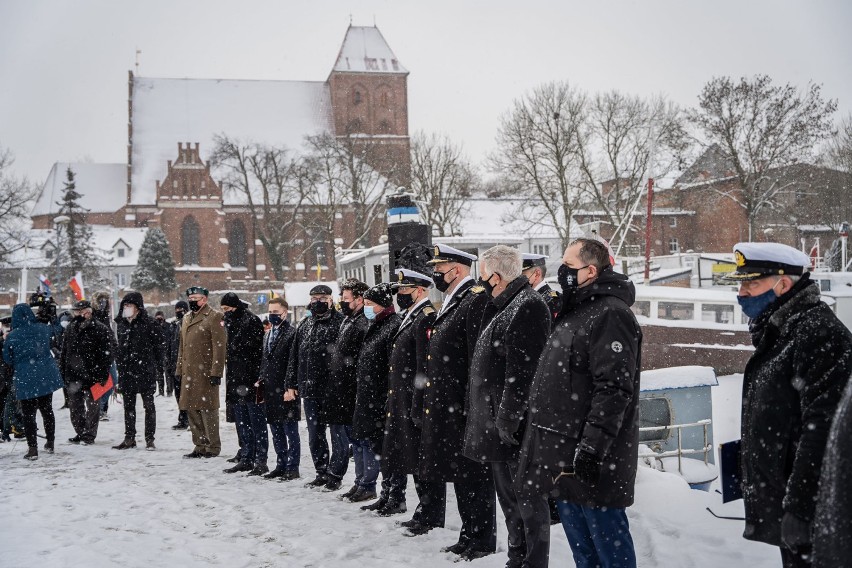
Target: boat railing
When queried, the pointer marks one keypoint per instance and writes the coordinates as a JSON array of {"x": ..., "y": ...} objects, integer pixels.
[{"x": 680, "y": 451}]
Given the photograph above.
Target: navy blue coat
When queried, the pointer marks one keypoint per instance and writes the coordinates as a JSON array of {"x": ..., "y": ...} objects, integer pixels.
[
  {"x": 273, "y": 376},
  {"x": 27, "y": 350}
]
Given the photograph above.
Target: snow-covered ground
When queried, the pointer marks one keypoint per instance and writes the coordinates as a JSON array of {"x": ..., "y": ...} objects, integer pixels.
[{"x": 95, "y": 506}]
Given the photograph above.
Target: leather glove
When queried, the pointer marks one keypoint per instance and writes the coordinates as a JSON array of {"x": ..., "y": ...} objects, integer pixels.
[
  {"x": 215, "y": 381},
  {"x": 587, "y": 467},
  {"x": 507, "y": 436},
  {"x": 795, "y": 533}
]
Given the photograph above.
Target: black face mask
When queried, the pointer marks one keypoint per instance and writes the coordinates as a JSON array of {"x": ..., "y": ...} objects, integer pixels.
[
  {"x": 567, "y": 277},
  {"x": 345, "y": 309},
  {"x": 193, "y": 305},
  {"x": 229, "y": 317},
  {"x": 178, "y": 314},
  {"x": 441, "y": 284},
  {"x": 486, "y": 283},
  {"x": 405, "y": 301},
  {"x": 318, "y": 307}
]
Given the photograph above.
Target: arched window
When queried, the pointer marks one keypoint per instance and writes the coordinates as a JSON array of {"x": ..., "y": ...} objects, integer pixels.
[
  {"x": 237, "y": 244},
  {"x": 190, "y": 251},
  {"x": 356, "y": 97}
]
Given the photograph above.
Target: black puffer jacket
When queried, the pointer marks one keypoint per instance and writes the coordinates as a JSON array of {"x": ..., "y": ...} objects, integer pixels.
[
  {"x": 368, "y": 422},
  {"x": 586, "y": 391},
  {"x": 140, "y": 350},
  {"x": 515, "y": 327},
  {"x": 339, "y": 404},
  {"x": 792, "y": 384},
  {"x": 313, "y": 349},
  {"x": 86, "y": 352},
  {"x": 245, "y": 351},
  {"x": 273, "y": 373}
]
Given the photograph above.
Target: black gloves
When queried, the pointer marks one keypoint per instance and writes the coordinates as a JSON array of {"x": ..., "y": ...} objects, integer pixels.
[
  {"x": 795, "y": 533},
  {"x": 215, "y": 381},
  {"x": 506, "y": 430},
  {"x": 587, "y": 467}
]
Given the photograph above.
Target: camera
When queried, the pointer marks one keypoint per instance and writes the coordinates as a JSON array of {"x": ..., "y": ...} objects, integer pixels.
[{"x": 44, "y": 307}]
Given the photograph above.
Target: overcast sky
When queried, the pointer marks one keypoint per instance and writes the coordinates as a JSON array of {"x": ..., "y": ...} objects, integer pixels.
[{"x": 63, "y": 64}]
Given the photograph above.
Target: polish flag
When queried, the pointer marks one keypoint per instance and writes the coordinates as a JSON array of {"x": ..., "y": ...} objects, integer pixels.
[
  {"x": 45, "y": 284},
  {"x": 76, "y": 285}
]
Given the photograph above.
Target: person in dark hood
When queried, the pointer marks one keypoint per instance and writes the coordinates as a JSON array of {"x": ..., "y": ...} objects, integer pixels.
[
  {"x": 36, "y": 376},
  {"x": 581, "y": 440},
  {"x": 792, "y": 384},
  {"x": 172, "y": 350},
  {"x": 140, "y": 362},
  {"x": 85, "y": 360},
  {"x": 308, "y": 370},
  {"x": 245, "y": 353}
]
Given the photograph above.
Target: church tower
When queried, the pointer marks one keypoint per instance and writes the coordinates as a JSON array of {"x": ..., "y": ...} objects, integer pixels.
[{"x": 369, "y": 99}]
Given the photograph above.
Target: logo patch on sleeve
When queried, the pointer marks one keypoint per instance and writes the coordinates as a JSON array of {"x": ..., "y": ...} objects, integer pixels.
[{"x": 617, "y": 346}]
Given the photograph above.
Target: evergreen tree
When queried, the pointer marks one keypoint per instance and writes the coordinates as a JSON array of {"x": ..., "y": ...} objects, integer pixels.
[
  {"x": 75, "y": 250},
  {"x": 156, "y": 267}
]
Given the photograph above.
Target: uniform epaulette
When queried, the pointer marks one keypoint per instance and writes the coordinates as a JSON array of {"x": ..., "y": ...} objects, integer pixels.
[
  {"x": 428, "y": 310},
  {"x": 477, "y": 289}
]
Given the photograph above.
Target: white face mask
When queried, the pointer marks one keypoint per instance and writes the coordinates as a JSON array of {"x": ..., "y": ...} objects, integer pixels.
[
  {"x": 128, "y": 312},
  {"x": 64, "y": 323}
]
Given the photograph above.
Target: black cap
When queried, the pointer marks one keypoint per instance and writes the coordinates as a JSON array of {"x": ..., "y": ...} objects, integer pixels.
[
  {"x": 320, "y": 290},
  {"x": 81, "y": 305},
  {"x": 197, "y": 290},
  {"x": 382, "y": 294},
  {"x": 181, "y": 305},
  {"x": 6, "y": 320},
  {"x": 231, "y": 300},
  {"x": 133, "y": 298}
]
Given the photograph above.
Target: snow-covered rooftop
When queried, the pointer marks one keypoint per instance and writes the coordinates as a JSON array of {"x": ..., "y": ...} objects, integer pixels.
[
  {"x": 168, "y": 111},
  {"x": 103, "y": 187},
  {"x": 365, "y": 50},
  {"x": 678, "y": 378},
  {"x": 104, "y": 238}
]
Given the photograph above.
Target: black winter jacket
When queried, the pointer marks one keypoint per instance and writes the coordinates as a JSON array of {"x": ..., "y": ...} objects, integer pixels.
[
  {"x": 172, "y": 345},
  {"x": 313, "y": 349},
  {"x": 245, "y": 351},
  {"x": 792, "y": 384},
  {"x": 410, "y": 347},
  {"x": 140, "y": 353},
  {"x": 86, "y": 352},
  {"x": 273, "y": 374},
  {"x": 586, "y": 391},
  {"x": 515, "y": 327},
  {"x": 339, "y": 404},
  {"x": 368, "y": 422}
]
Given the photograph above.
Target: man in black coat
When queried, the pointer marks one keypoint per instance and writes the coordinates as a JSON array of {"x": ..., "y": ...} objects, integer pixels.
[
  {"x": 85, "y": 360},
  {"x": 172, "y": 350},
  {"x": 339, "y": 404},
  {"x": 401, "y": 445},
  {"x": 368, "y": 422},
  {"x": 581, "y": 440},
  {"x": 282, "y": 416},
  {"x": 245, "y": 352},
  {"x": 441, "y": 405},
  {"x": 163, "y": 382},
  {"x": 140, "y": 363},
  {"x": 535, "y": 269},
  {"x": 308, "y": 370},
  {"x": 792, "y": 384},
  {"x": 515, "y": 327}
]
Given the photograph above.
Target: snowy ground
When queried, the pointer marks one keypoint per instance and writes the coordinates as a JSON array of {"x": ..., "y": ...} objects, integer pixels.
[{"x": 94, "y": 506}]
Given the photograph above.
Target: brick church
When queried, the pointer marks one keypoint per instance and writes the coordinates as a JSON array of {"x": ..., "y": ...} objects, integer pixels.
[{"x": 167, "y": 180}]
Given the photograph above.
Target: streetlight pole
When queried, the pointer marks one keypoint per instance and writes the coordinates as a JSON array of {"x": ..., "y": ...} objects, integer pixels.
[{"x": 22, "y": 290}]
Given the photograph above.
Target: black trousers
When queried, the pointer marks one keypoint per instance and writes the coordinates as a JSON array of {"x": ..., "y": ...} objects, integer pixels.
[
  {"x": 182, "y": 419},
  {"x": 43, "y": 404},
  {"x": 85, "y": 411},
  {"x": 802, "y": 559},
  {"x": 432, "y": 507},
  {"x": 527, "y": 518},
  {"x": 477, "y": 508},
  {"x": 130, "y": 415}
]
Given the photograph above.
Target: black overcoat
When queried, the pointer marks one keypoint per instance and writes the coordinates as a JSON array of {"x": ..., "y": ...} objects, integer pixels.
[
  {"x": 515, "y": 327},
  {"x": 140, "y": 352},
  {"x": 792, "y": 384},
  {"x": 442, "y": 402},
  {"x": 86, "y": 352},
  {"x": 368, "y": 421},
  {"x": 273, "y": 375},
  {"x": 339, "y": 404},
  {"x": 245, "y": 351},
  {"x": 401, "y": 446},
  {"x": 310, "y": 357},
  {"x": 586, "y": 391}
]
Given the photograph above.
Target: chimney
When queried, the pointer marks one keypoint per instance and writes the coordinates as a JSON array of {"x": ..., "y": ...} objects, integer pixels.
[
  {"x": 188, "y": 155},
  {"x": 197, "y": 153},
  {"x": 170, "y": 165}
]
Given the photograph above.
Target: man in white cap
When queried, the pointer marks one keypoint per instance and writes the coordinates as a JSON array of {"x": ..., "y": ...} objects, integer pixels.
[{"x": 793, "y": 381}]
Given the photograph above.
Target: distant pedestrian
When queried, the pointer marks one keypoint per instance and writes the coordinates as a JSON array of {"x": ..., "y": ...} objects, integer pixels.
[
  {"x": 140, "y": 366},
  {"x": 792, "y": 385},
  {"x": 36, "y": 376}
]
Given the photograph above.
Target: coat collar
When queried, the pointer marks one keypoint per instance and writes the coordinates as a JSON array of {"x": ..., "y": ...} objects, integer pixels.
[
  {"x": 512, "y": 290},
  {"x": 200, "y": 315},
  {"x": 412, "y": 315},
  {"x": 458, "y": 294}
]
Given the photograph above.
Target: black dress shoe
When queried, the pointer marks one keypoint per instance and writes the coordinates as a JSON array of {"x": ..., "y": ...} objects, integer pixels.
[
  {"x": 259, "y": 470},
  {"x": 407, "y": 524},
  {"x": 75, "y": 440},
  {"x": 236, "y": 459},
  {"x": 362, "y": 495},
  {"x": 418, "y": 529},
  {"x": 125, "y": 445},
  {"x": 242, "y": 466},
  {"x": 275, "y": 473},
  {"x": 375, "y": 506},
  {"x": 392, "y": 507},
  {"x": 291, "y": 475},
  {"x": 457, "y": 548},
  {"x": 180, "y": 426},
  {"x": 319, "y": 481},
  {"x": 333, "y": 484},
  {"x": 474, "y": 554},
  {"x": 209, "y": 455},
  {"x": 348, "y": 494},
  {"x": 193, "y": 454}
]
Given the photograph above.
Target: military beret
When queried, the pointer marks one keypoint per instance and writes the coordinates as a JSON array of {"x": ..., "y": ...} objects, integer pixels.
[
  {"x": 406, "y": 278},
  {"x": 197, "y": 290},
  {"x": 445, "y": 253},
  {"x": 759, "y": 260}
]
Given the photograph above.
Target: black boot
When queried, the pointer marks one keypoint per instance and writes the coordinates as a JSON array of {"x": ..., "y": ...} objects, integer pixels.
[
  {"x": 32, "y": 453},
  {"x": 48, "y": 446},
  {"x": 242, "y": 466},
  {"x": 392, "y": 506},
  {"x": 319, "y": 481},
  {"x": 126, "y": 444},
  {"x": 377, "y": 505}
]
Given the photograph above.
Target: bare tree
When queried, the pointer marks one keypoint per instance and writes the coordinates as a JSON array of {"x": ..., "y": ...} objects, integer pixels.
[
  {"x": 761, "y": 126},
  {"x": 16, "y": 199},
  {"x": 839, "y": 154},
  {"x": 538, "y": 149},
  {"x": 274, "y": 184},
  {"x": 443, "y": 179}
]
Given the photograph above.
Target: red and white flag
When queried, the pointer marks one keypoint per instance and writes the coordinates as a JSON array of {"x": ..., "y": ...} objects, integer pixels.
[{"x": 76, "y": 285}]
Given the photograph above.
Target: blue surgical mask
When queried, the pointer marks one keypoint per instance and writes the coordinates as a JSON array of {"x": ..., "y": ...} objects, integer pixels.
[
  {"x": 369, "y": 313},
  {"x": 753, "y": 306}
]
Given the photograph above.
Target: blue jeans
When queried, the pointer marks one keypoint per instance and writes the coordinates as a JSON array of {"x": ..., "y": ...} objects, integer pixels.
[
  {"x": 599, "y": 537},
  {"x": 339, "y": 462},
  {"x": 367, "y": 464},
  {"x": 316, "y": 435},
  {"x": 251, "y": 424},
  {"x": 285, "y": 438}
]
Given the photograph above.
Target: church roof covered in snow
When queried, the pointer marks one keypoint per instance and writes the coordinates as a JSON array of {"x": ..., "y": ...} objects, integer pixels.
[
  {"x": 103, "y": 187},
  {"x": 365, "y": 50},
  {"x": 168, "y": 111}
]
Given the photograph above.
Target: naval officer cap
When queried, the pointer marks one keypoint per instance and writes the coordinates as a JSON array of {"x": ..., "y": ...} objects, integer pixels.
[
  {"x": 445, "y": 253},
  {"x": 532, "y": 260},
  {"x": 759, "y": 260},
  {"x": 406, "y": 278}
]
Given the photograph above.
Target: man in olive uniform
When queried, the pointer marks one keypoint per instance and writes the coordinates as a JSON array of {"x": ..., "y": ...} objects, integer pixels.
[
  {"x": 200, "y": 365},
  {"x": 535, "y": 269},
  {"x": 443, "y": 403}
]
